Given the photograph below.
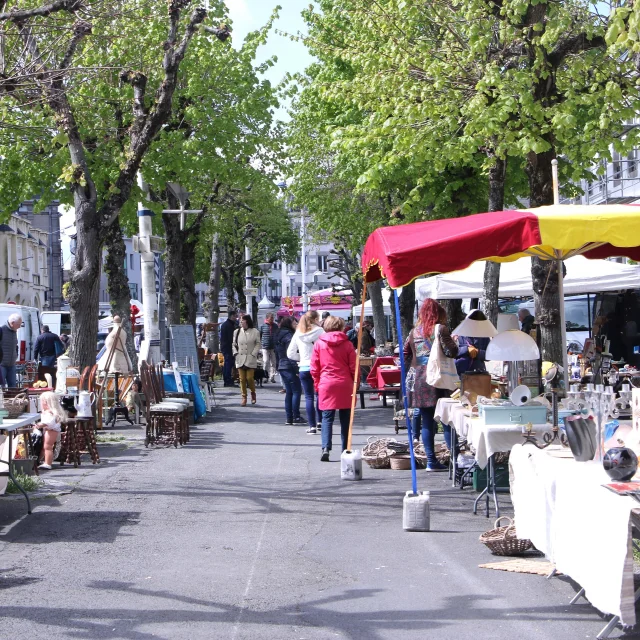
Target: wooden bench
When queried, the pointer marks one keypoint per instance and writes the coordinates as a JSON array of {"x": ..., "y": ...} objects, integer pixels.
[{"x": 385, "y": 391}]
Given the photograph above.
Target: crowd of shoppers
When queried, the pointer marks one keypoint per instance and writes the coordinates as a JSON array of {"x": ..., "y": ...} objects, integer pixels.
[{"x": 317, "y": 356}]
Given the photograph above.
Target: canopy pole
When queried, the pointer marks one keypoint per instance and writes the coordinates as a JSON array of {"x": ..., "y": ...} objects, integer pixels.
[
  {"x": 403, "y": 387},
  {"x": 356, "y": 377}
]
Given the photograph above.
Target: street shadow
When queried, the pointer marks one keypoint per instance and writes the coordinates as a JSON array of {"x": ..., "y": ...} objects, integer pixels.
[
  {"x": 336, "y": 614},
  {"x": 69, "y": 526},
  {"x": 11, "y": 582}
]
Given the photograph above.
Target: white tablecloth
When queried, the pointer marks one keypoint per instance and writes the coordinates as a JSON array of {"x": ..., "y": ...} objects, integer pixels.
[
  {"x": 485, "y": 439},
  {"x": 583, "y": 528}
]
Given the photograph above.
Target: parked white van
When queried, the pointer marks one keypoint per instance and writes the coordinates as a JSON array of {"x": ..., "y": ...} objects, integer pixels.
[
  {"x": 29, "y": 330},
  {"x": 59, "y": 322}
]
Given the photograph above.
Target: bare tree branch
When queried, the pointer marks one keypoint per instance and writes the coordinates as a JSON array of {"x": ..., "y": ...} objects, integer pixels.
[{"x": 20, "y": 15}]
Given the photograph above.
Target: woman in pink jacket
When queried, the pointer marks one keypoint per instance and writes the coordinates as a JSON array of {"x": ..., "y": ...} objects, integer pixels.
[{"x": 333, "y": 365}]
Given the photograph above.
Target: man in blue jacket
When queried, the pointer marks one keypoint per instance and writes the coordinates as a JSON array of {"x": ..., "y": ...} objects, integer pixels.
[{"x": 226, "y": 347}]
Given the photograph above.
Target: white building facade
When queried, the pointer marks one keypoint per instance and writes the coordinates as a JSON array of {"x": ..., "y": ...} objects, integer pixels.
[{"x": 24, "y": 264}]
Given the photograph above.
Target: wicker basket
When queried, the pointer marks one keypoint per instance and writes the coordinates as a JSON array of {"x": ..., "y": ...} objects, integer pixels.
[
  {"x": 503, "y": 541},
  {"x": 400, "y": 463},
  {"x": 16, "y": 406},
  {"x": 381, "y": 461}
]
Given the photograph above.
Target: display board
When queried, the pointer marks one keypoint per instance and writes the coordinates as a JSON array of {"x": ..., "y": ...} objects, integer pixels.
[{"x": 183, "y": 348}]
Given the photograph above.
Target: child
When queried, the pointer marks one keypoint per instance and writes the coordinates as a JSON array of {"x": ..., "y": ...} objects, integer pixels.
[
  {"x": 51, "y": 418},
  {"x": 133, "y": 401}
]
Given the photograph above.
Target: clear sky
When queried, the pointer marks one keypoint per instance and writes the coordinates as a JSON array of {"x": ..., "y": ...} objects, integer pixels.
[{"x": 249, "y": 15}]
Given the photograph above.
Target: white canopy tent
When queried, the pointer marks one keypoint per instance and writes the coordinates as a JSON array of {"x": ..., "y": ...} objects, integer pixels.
[
  {"x": 583, "y": 276},
  {"x": 368, "y": 308}
]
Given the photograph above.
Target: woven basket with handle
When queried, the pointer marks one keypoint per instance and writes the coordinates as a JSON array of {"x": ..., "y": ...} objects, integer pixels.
[
  {"x": 503, "y": 541},
  {"x": 16, "y": 406}
]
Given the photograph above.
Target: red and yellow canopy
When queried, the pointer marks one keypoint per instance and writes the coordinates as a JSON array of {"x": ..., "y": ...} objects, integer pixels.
[{"x": 406, "y": 252}]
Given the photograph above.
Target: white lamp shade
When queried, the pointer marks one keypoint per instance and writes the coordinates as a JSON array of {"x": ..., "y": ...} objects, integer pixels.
[
  {"x": 507, "y": 321},
  {"x": 513, "y": 345},
  {"x": 265, "y": 303},
  {"x": 475, "y": 328}
]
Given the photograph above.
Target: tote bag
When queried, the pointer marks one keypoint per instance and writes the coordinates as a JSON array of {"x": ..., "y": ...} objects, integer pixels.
[{"x": 441, "y": 370}]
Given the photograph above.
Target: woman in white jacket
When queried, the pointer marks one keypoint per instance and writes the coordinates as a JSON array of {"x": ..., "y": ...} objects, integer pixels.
[
  {"x": 246, "y": 345},
  {"x": 301, "y": 348}
]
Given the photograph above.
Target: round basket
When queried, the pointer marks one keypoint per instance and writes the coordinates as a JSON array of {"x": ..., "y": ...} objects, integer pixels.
[
  {"x": 400, "y": 463},
  {"x": 381, "y": 461},
  {"x": 503, "y": 541},
  {"x": 16, "y": 406},
  {"x": 421, "y": 462}
]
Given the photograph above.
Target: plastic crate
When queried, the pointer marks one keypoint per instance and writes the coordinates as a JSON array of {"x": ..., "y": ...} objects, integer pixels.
[{"x": 480, "y": 477}]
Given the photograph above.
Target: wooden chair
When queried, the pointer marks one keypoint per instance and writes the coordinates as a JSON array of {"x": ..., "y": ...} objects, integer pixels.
[
  {"x": 184, "y": 399},
  {"x": 165, "y": 420}
]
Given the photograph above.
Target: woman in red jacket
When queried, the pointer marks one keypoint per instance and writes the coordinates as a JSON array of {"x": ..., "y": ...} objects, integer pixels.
[{"x": 333, "y": 365}]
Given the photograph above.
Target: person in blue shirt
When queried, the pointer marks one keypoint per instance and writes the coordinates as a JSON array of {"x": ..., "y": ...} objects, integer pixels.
[{"x": 472, "y": 351}]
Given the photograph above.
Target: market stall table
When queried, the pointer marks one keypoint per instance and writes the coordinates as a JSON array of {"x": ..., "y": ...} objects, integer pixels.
[
  {"x": 584, "y": 529},
  {"x": 486, "y": 440},
  {"x": 7, "y": 430}
]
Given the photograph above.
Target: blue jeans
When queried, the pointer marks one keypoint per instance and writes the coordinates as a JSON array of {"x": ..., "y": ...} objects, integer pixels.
[
  {"x": 9, "y": 375},
  {"x": 429, "y": 428},
  {"x": 227, "y": 368},
  {"x": 293, "y": 390},
  {"x": 328, "y": 416},
  {"x": 310, "y": 399}
]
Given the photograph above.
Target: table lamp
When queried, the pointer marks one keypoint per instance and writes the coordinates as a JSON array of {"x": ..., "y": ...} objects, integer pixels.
[
  {"x": 475, "y": 328},
  {"x": 507, "y": 321},
  {"x": 513, "y": 346}
]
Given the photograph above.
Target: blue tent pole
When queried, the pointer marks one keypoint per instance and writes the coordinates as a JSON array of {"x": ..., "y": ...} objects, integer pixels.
[{"x": 403, "y": 376}]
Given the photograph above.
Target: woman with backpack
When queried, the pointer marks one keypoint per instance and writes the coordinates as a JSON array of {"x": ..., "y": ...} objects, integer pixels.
[
  {"x": 246, "y": 345},
  {"x": 300, "y": 349},
  {"x": 288, "y": 370}
]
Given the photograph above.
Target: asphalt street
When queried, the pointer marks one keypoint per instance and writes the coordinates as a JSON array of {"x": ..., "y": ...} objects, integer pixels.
[{"x": 244, "y": 534}]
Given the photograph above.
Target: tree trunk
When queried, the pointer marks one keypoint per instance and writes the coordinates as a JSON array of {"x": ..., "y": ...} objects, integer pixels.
[
  {"x": 84, "y": 285},
  {"x": 173, "y": 267},
  {"x": 394, "y": 326},
  {"x": 491, "y": 282},
  {"x": 407, "y": 308},
  {"x": 375, "y": 293},
  {"x": 118, "y": 284},
  {"x": 189, "y": 296},
  {"x": 230, "y": 294},
  {"x": 490, "y": 288},
  {"x": 454, "y": 312},
  {"x": 543, "y": 272},
  {"x": 213, "y": 293}
]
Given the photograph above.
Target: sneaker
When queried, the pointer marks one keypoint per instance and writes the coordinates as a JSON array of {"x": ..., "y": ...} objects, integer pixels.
[
  {"x": 312, "y": 430},
  {"x": 288, "y": 423},
  {"x": 325, "y": 455},
  {"x": 272, "y": 380},
  {"x": 299, "y": 421},
  {"x": 436, "y": 466},
  {"x": 282, "y": 391},
  {"x": 48, "y": 467}
]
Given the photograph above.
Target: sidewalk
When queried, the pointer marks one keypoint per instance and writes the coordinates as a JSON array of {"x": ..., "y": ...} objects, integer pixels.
[{"x": 245, "y": 535}]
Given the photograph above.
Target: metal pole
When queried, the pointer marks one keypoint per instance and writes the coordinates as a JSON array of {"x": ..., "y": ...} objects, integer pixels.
[
  {"x": 403, "y": 383},
  {"x": 150, "y": 348},
  {"x": 303, "y": 249},
  {"x": 247, "y": 279}
]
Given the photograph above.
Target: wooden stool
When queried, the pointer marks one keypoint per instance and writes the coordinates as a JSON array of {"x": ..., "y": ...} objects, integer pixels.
[{"x": 79, "y": 436}]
